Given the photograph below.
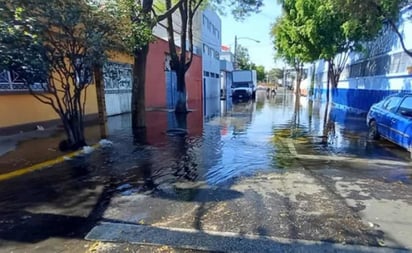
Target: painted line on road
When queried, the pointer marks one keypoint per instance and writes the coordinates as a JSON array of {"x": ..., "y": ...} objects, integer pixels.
[
  {"x": 42, "y": 165},
  {"x": 353, "y": 159},
  {"x": 291, "y": 147},
  {"x": 334, "y": 157}
]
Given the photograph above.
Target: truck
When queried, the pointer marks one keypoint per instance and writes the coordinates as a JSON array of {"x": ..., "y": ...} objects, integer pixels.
[{"x": 244, "y": 83}]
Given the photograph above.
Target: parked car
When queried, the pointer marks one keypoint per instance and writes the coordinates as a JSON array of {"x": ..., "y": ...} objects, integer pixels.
[{"x": 391, "y": 119}]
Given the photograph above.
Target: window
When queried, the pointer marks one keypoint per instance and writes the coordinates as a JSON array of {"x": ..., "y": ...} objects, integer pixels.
[
  {"x": 216, "y": 55},
  {"x": 206, "y": 73},
  {"x": 11, "y": 81},
  {"x": 406, "y": 105},
  {"x": 204, "y": 48},
  {"x": 392, "y": 104}
]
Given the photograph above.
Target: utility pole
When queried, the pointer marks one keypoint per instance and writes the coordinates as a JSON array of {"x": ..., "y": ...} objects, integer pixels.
[
  {"x": 235, "y": 65},
  {"x": 235, "y": 54}
]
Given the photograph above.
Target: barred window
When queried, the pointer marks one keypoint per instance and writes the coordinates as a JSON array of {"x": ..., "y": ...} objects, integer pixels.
[
  {"x": 11, "y": 81},
  {"x": 382, "y": 65}
]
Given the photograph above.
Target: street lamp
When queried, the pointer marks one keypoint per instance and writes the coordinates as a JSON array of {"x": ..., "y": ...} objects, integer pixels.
[{"x": 235, "y": 51}]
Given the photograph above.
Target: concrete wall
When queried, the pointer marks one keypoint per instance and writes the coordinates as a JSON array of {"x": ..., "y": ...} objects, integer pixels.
[
  {"x": 117, "y": 75},
  {"x": 21, "y": 108}
]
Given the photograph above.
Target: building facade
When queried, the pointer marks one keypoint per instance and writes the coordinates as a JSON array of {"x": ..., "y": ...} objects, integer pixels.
[
  {"x": 383, "y": 68},
  {"x": 226, "y": 69},
  {"x": 210, "y": 27},
  {"x": 27, "y": 112}
]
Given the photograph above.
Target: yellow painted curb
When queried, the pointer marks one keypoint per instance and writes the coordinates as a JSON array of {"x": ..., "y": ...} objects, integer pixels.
[{"x": 41, "y": 165}]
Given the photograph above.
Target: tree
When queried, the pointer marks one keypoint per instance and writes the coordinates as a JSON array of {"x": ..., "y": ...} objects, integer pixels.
[
  {"x": 138, "y": 18},
  {"x": 242, "y": 57},
  {"x": 54, "y": 46},
  {"x": 290, "y": 42},
  {"x": 260, "y": 72},
  {"x": 320, "y": 30},
  {"x": 181, "y": 61},
  {"x": 369, "y": 16},
  {"x": 275, "y": 74}
]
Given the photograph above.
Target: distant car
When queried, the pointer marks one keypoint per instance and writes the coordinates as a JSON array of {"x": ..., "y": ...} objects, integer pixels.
[{"x": 391, "y": 119}]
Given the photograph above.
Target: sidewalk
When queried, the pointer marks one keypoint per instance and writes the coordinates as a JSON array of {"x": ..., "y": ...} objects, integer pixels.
[{"x": 26, "y": 149}]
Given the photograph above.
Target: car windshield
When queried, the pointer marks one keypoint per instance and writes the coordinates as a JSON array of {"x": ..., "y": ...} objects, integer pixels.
[{"x": 242, "y": 85}]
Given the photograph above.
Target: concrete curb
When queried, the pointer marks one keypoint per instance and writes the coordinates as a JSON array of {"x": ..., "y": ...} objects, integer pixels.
[{"x": 217, "y": 241}]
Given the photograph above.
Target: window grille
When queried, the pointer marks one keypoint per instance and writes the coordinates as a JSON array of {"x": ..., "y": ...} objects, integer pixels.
[{"x": 11, "y": 81}]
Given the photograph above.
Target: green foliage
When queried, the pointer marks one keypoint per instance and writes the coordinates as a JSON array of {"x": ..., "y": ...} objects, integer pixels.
[
  {"x": 242, "y": 57},
  {"x": 240, "y": 9},
  {"x": 329, "y": 29},
  {"x": 364, "y": 18},
  {"x": 275, "y": 74},
  {"x": 56, "y": 44},
  {"x": 244, "y": 63},
  {"x": 260, "y": 72},
  {"x": 311, "y": 29},
  {"x": 133, "y": 24},
  {"x": 37, "y": 36}
]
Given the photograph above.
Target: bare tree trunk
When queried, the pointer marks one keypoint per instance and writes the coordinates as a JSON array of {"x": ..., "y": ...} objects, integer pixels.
[
  {"x": 325, "y": 124},
  {"x": 101, "y": 104},
  {"x": 181, "y": 103},
  {"x": 140, "y": 136},
  {"x": 138, "y": 88},
  {"x": 298, "y": 78},
  {"x": 74, "y": 132},
  {"x": 328, "y": 82}
]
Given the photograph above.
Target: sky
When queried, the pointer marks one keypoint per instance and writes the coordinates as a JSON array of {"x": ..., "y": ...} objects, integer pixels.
[{"x": 257, "y": 27}]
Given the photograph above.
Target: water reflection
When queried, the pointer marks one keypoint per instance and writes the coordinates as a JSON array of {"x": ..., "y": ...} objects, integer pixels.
[{"x": 242, "y": 139}]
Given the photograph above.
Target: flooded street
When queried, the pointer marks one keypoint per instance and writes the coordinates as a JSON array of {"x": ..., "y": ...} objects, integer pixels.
[{"x": 237, "y": 177}]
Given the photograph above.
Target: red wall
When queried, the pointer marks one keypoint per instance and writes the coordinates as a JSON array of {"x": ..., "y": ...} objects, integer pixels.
[
  {"x": 156, "y": 121},
  {"x": 157, "y": 126},
  {"x": 156, "y": 80}
]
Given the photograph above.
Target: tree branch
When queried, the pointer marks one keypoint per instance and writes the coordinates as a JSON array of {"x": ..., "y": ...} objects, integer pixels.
[
  {"x": 192, "y": 12},
  {"x": 197, "y": 6},
  {"x": 170, "y": 35},
  {"x": 43, "y": 98},
  {"x": 396, "y": 30},
  {"x": 169, "y": 12},
  {"x": 184, "y": 16}
]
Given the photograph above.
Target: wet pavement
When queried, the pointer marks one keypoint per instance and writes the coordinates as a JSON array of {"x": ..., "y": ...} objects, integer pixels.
[{"x": 279, "y": 170}]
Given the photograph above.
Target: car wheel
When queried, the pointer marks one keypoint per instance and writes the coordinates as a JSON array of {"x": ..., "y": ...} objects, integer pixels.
[{"x": 373, "y": 130}]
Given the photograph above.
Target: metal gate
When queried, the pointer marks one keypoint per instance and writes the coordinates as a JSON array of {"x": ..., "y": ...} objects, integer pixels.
[{"x": 171, "y": 89}]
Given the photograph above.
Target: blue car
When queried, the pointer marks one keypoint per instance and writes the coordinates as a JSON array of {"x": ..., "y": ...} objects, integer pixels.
[{"x": 391, "y": 119}]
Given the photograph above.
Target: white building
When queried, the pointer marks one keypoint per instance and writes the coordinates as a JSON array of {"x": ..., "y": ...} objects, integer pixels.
[
  {"x": 210, "y": 27},
  {"x": 226, "y": 69}
]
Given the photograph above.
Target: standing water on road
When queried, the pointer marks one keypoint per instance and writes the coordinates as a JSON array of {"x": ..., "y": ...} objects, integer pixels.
[
  {"x": 276, "y": 166},
  {"x": 244, "y": 138}
]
